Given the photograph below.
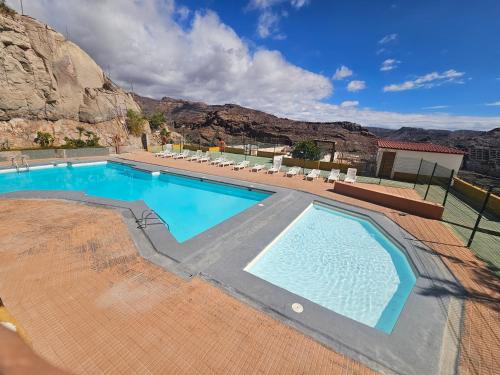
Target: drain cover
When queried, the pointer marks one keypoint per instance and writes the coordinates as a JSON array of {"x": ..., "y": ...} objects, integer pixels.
[{"x": 297, "y": 307}]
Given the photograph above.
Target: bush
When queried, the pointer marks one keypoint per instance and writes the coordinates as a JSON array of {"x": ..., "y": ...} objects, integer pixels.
[
  {"x": 44, "y": 139},
  {"x": 306, "y": 150},
  {"x": 91, "y": 141},
  {"x": 135, "y": 123},
  {"x": 156, "y": 120}
]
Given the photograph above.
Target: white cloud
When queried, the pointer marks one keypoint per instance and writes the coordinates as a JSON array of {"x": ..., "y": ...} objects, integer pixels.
[
  {"x": 428, "y": 81},
  {"x": 264, "y": 4},
  {"x": 389, "y": 64},
  {"x": 437, "y": 107},
  {"x": 267, "y": 23},
  {"x": 207, "y": 61},
  {"x": 355, "y": 86},
  {"x": 388, "y": 39},
  {"x": 299, "y": 3},
  {"x": 349, "y": 104},
  {"x": 269, "y": 18},
  {"x": 342, "y": 72},
  {"x": 494, "y": 104},
  {"x": 183, "y": 12}
]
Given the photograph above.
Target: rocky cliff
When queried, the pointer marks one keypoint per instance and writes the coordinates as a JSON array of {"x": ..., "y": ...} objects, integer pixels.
[
  {"x": 204, "y": 123},
  {"x": 48, "y": 83}
]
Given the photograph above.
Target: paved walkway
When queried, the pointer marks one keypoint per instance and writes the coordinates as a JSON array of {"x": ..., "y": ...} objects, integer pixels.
[{"x": 90, "y": 304}]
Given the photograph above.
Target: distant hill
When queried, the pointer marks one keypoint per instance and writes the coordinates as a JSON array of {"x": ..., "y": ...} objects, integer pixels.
[
  {"x": 462, "y": 139},
  {"x": 205, "y": 123}
]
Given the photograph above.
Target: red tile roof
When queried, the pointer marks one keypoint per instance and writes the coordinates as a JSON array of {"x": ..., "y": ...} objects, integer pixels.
[{"x": 413, "y": 146}]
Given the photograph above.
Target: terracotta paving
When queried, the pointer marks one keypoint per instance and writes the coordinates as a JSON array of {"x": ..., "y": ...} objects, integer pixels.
[
  {"x": 90, "y": 304},
  {"x": 480, "y": 340}
]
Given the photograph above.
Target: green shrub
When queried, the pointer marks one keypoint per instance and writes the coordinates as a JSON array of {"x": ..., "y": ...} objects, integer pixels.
[
  {"x": 135, "y": 123},
  {"x": 44, "y": 139},
  {"x": 91, "y": 141},
  {"x": 156, "y": 120},
  {"x": 306, "y": 150}
]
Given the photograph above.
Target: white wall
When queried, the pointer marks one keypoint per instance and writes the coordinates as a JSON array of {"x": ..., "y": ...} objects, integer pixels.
[{"x": 409, "y": 161}]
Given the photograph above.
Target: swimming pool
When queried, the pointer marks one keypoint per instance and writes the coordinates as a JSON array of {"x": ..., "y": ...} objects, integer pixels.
[
  {"x": 341, "y": 262},
  {"x": 189, "y": 206}
]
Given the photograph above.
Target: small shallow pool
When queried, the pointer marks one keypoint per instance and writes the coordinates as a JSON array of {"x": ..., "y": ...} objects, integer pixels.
[
  {"x": 189, "y": 206},
  {"x": 341, "y": 262}
]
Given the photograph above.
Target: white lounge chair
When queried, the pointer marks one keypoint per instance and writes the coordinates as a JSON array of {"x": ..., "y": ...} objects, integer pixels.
[
  {"x": 313, "y": 174},
  {"x": 226, "y": 163},
  {"x": 205, "y": 158},
  {"x": 217, "y": 161},
  {"x": 334, "y": 175},
  {"x": 184, "y": 154},
  {"x": 257, "y": 167},
  {"x": 160, "y": 154},
  {"x": 165, "y": 153},
  {"x": 351, "y": 175},
  {"x": 292, "y": 171},
  {"x": 241, "y": 165},
  {"x": 196, "y": 156},
  {"x": 275, "y": 168}
]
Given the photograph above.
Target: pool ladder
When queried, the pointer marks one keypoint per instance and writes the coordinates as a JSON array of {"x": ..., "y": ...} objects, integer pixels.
[
  {"x": 150, "y": 217},
  {"x": 24, "y": 164}
]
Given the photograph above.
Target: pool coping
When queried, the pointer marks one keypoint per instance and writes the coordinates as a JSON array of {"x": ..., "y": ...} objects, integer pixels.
[{"x": 220, "y": 254}]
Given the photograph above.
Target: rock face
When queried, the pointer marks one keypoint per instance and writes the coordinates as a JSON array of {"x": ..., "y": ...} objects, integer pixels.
[
  {"x": 204, "y": 123},
  {"x": 47, "y": 82}
]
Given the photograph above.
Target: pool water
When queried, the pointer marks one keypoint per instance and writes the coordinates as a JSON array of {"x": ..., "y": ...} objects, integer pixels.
[
  {"x": 188, "y": 205},
  {"x": 341, "y": 262}
]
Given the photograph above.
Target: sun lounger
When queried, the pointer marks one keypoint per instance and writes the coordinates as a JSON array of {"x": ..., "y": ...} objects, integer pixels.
[
  {"x": 257, "y": 167},
  {"x": 205, "y": 158},
  {"x": 292, "y": 171},
  {"x": 165, "y": 153},
  {"x": 275, "y": 168},
  {"x": 226, "y": 162},
  {"x": 217, "y": 161},
  {"x": 314, "y": 174},
  {"x": 182, "y": 155},
  {"x": 334, "y": 175},
  {"x": 196, "y": 156},
  {"x": 351, "y": 175},
  {"x": 241, "y": 165}
]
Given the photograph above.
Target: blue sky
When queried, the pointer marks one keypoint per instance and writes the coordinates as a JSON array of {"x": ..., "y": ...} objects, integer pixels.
[
  {"x": 426, "y": 63},
  {"x": 430, "y": 36}
]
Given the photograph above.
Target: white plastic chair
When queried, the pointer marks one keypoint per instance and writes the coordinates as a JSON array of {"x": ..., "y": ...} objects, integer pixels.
[
  {"x": 292, "y": 171},
  {"x": 313, "y": 174},
  {"x": 351, "y": 175},
  {"x": 334, "y": 175}
]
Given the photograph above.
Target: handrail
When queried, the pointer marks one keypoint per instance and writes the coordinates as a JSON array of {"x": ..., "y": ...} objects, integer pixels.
[
  {"x": 25, "y": 163},
  {"x": 146, "y": 215},
  {"x": 13, "y": 162}
]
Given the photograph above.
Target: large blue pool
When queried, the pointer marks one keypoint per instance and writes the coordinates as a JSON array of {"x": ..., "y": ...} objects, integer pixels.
[
  {"x": 341, "y": 262},
  {"x": 188, "y": 205}
]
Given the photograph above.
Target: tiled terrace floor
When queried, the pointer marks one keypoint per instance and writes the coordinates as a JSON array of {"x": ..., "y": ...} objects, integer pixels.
[
  {"x": 91, "y": 304},
  {"x": 193, "y": 327}
]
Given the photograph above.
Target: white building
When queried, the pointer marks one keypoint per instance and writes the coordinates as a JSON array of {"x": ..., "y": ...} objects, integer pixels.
[{"x": 403, "y": 159}]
